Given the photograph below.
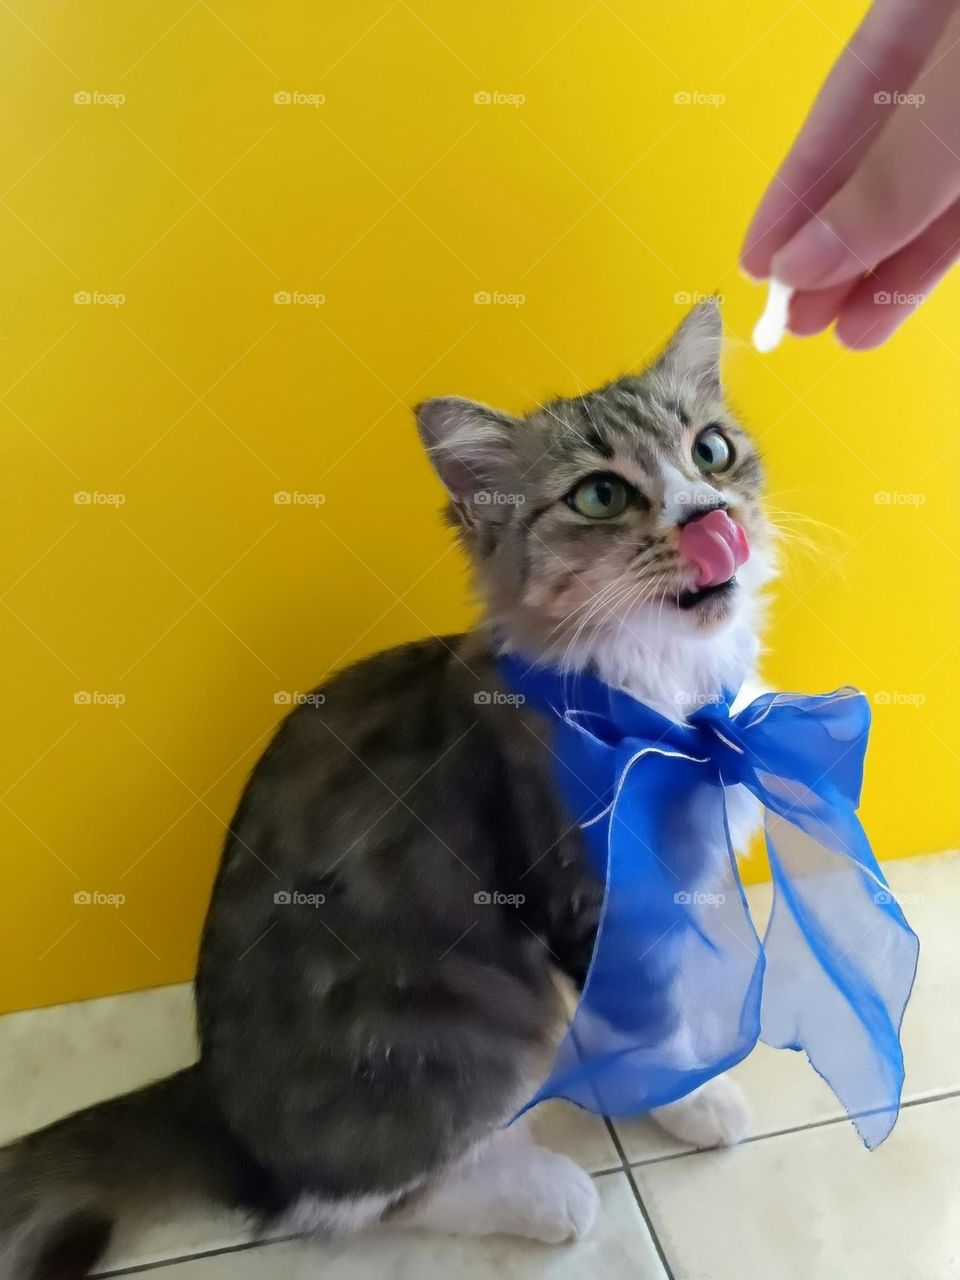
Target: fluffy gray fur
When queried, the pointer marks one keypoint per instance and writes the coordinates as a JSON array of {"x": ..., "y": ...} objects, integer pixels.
[{"x": 366, "y": 1014}]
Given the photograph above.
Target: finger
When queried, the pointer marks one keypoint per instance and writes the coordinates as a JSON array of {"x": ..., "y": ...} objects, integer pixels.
[
  {"x": 883, "y": 57},
  {"x": 811, "y": 313},
  {"x": 908, "y": 178},
  {"x": 879, "y": 304}
]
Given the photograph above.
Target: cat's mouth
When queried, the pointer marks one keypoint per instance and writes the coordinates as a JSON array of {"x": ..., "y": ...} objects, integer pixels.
[{"x": 717, "y": 593}]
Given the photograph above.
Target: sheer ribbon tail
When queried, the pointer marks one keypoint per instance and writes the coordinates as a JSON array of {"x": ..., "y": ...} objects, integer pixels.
[{"x": 841, "y": 958}]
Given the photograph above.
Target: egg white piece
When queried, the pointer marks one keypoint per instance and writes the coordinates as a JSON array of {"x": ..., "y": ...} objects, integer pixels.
[{"x": 772, "y": 325}]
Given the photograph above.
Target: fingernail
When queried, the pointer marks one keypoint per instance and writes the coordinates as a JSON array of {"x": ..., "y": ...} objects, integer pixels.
[{"x": 814, "y": 257}]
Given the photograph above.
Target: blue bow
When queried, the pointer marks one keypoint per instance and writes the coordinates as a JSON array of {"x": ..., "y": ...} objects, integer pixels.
[{"x": 680, "y": 986}]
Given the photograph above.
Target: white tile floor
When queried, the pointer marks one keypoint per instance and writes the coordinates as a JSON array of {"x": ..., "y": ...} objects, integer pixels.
[{"x": 801, "y": 1198}]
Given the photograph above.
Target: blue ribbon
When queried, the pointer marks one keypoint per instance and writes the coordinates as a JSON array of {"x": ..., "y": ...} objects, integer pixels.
[{"x": 680, "y": 986}]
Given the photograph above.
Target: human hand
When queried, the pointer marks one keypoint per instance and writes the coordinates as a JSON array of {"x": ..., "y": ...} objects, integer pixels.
[{"x": 863, "y": 217}]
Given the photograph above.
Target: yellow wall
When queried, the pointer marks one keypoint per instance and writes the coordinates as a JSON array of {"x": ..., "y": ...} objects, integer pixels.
[{"x": 598, "y": 198}]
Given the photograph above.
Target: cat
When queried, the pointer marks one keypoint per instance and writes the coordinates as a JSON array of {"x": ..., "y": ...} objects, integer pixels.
[{"x": 376, "y": 990}]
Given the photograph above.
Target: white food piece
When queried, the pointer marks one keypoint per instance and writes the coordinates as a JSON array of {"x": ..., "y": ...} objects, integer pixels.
[{"x": 772, "y": 325}]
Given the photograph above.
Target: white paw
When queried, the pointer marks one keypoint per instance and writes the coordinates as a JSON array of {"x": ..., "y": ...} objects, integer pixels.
[
  {"x": 560, "y": 1200},
  {"x": 509, "y": 1187},
  {"x": 715, "y": 1115}
]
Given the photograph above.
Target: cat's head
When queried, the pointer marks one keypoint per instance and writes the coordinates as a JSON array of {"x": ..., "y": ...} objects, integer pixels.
[{"x": 601, "y": 521}]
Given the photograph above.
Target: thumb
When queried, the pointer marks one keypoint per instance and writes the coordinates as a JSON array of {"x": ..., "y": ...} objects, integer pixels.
[{"x": 907, "y": 179}]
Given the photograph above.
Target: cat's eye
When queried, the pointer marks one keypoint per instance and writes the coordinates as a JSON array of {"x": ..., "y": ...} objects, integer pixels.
[
  {"x": 712, "y": 451},
  {"x": 600, "y": 497}
]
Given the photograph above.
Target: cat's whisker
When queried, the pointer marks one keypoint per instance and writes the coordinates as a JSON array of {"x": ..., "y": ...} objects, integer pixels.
[
  {"x": 577, "y": 608},
  {"x": 604, "y": 596},
  {"x": 783, "y": 514},
  {"x": 614, "y": 599},
  {"x": 641, "y": 597},
  {"x": 617, "y": 587},
  {"x": 595, "y": 601},
  {"x": 599, "y": 598}
]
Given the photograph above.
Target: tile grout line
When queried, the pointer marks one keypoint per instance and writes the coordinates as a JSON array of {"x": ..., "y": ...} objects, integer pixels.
[
  {"x": 625, "y": 1164},
  {"x": 246, "y": 1246},
  {"x": 626, "y": 1167},
  {"x": 784, "y": 1133}
]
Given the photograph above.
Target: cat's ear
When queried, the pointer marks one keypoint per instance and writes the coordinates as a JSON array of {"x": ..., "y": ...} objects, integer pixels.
[
  {"x": 693, "y": 353},
  {"x": 469, "y": 445}
]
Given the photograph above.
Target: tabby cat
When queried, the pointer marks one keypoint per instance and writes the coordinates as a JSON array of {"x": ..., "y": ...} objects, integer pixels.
[{"x": 377, "y": 990}]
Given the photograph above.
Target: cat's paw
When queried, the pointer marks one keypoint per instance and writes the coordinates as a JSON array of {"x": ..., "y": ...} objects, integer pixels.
[
  {"x": 715, "y": 1115},
  {"x": 514, "y": 1188},
  {"x": 561, "y": 1202}
]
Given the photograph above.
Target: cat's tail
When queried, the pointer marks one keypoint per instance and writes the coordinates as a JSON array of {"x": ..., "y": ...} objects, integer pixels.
[{"x": 63, "y": 1188}]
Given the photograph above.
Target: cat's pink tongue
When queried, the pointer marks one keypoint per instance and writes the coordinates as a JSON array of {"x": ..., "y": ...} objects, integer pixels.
[{"x": 715, "y": 545}]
